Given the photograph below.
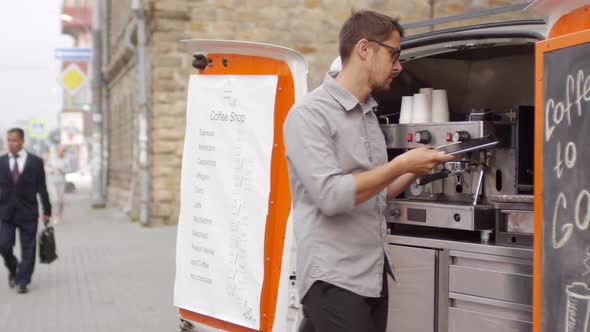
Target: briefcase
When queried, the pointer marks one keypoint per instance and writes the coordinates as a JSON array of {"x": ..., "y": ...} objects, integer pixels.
[{"x": 47, "y": 248}]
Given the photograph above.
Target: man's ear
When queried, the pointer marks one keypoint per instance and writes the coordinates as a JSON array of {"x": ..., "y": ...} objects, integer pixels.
[{"x": 362, "y": 49}]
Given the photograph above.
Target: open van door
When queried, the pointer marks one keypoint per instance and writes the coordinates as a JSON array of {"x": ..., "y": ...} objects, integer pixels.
[{"x": 235, "y": 255}]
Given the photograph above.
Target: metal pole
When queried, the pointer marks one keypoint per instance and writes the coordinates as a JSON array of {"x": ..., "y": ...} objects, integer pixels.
[
  {"x": 144, "y": 115},
  {"x": 96, "y": 139},
  {"x": 104, "y": 95}
]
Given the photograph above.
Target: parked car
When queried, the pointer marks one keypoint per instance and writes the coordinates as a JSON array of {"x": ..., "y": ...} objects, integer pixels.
[{"x": 79, "y": 180}]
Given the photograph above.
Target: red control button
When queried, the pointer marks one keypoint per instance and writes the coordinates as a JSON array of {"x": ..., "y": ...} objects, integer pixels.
[
  {"x": 409, "y": 137},
  {"x": 449, "y": 137}
]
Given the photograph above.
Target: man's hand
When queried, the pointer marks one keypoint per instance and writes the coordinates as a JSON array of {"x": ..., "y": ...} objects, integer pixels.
[
  {"x": 46, "y": 218},
  {"x": 397, "y": 174},
  {"x": 421, "y": 161}
]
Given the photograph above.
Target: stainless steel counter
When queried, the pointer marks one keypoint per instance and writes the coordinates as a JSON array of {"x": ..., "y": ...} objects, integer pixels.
[
  {"x": 489, "y": 249},
  {"x": 449, "y": 282}
]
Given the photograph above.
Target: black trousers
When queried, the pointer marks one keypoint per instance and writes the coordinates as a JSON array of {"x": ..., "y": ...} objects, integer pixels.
[
  {"x": 28, "y": 242},
  {"x": 328, "y": 308}
]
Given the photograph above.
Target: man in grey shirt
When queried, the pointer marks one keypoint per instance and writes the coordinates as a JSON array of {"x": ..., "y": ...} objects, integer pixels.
[{"x": 341, "y": 180}]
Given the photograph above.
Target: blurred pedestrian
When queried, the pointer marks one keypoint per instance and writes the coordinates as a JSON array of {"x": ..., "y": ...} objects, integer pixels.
[
  {"x": 56, "y": 168},
  {"x": 22, "y": 177}
]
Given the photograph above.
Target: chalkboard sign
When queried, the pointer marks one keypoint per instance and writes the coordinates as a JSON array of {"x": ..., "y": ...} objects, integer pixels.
[{"x": 565, "y": 293}]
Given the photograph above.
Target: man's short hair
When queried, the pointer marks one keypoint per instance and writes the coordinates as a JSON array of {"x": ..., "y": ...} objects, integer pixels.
[
  {"x": 20, "y": 132},
  {"x": 366, "y": 24}
]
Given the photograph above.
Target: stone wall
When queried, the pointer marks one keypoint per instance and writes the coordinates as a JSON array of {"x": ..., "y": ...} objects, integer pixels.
[
  {"x": 170, "y": 69},
  {"x": 120, "y": 74},
  {"x": 121, "y": 135},
  {"x": 118, "y": 19},
  {"x": 308, "y": 26}
]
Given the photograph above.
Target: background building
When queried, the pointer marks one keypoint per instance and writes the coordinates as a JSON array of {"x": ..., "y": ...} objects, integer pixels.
[
  {"x": 146, "y": 70},
  {"x": 74, "y": 120}
]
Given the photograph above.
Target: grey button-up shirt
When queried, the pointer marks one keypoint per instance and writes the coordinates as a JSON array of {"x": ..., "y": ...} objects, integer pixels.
[{"x": 329, "y": 136}]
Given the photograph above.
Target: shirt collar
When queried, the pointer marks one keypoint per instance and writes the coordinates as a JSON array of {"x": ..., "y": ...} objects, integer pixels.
[
  {"x": 21, "y": 154},
  {"x": 344, "y": 97}
]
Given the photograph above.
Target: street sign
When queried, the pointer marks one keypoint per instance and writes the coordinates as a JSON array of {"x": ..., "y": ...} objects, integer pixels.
[
  {"x": 73, "y": 78},
  {"x": 38, "y": 129},
  {"x": 73, "y": 54},
  {"x": 71, "y": 125}
]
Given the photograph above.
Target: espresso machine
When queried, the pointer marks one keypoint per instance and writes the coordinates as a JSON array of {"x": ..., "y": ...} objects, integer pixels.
[{"x": 467, "y": 193}]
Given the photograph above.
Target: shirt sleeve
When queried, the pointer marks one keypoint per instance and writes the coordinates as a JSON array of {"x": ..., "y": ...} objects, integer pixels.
[
  {"x": 312, "y": 155},
  {"x": 42, "y": 189}
]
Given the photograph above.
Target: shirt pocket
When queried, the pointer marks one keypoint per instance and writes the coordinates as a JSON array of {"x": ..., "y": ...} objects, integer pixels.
[
  {"x": 377, "y": 140},
  {"x": 352, "y": 148}
]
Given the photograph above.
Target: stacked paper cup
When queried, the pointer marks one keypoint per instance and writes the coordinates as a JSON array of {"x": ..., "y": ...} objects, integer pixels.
[
  {"x": 439, "y": 106},
  {"x": 427, "y": 92},
  {"x": 421, "y": 109},
  {"x": 405, "y": 115},
  {"x": 429, "y": 105}
]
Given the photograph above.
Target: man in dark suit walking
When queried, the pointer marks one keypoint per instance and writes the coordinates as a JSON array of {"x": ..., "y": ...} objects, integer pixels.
[{"x": 22, "y": 177}]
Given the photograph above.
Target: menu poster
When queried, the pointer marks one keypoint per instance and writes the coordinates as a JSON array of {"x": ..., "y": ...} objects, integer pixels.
[{"x": 225, "y": 186}]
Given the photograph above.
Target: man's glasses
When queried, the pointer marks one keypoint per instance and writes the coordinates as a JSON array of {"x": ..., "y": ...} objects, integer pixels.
[{"x": 393, "y": 51}]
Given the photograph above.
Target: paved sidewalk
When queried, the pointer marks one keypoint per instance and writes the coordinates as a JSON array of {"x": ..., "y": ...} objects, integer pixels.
[{"x": 111, "y": 275}]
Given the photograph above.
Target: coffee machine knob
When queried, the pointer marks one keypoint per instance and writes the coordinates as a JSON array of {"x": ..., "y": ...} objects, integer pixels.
[
  {"x": 423, "y": 136},
  {"x": 461, "y": 136}
]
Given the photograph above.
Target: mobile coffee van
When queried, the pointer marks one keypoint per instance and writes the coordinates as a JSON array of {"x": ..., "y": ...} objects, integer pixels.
[{"x": 496, "y": 241}]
